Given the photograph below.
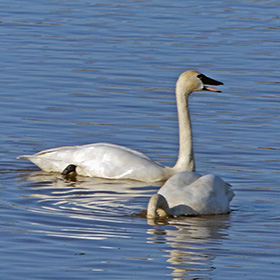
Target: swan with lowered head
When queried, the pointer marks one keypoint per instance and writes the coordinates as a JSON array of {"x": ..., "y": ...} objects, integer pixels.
[
  {"x": 188, "y": 194},
  {"x": 112, "y": 161}
]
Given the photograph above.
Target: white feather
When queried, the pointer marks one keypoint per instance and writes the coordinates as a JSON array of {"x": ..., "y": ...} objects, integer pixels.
[{"x": 189, "y": 193}]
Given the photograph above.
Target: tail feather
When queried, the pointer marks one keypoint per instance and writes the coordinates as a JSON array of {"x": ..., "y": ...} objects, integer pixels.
[
  {"x": 24, "y": 156},
  {"x": 45, "y": 164}
]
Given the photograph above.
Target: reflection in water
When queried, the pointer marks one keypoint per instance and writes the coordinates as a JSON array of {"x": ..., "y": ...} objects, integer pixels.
[
  {"x": 87, "y": 207},
  {"x": 190, "y": 243}
]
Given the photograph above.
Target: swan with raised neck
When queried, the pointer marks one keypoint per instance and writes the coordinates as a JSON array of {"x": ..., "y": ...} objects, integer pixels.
[{"x": 112, "y": 161}]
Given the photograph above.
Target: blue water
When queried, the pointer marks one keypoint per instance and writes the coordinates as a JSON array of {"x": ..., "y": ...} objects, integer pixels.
[{"x": 77, "y": 72}]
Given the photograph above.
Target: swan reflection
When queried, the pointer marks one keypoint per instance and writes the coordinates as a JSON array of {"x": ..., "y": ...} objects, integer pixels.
[
  {"x": 86, "y": 207},
  {"x": 86, "y": 192},
  {"x": 191, "y": 241}
]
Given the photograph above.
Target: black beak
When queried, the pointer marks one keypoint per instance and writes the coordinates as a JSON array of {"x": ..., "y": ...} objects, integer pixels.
[{"x": 208, "y": 81}]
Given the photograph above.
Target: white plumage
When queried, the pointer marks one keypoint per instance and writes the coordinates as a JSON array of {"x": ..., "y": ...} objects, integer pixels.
[
  {"x": 102, "y": 160},
  {"x": 189, "y": 193}
]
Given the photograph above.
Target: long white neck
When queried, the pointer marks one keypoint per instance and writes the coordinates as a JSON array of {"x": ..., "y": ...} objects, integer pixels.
[
  {"x": 157, "y": 207},
  {"x": 185, "y": 160}
]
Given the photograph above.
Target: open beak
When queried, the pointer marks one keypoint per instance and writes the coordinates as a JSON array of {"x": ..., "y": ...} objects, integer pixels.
[{"x": 208, "y": 81}]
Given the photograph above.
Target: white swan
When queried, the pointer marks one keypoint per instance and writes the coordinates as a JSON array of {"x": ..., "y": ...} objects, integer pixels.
[
  {"x": 188, "y": 193},
  {"x": 117, "y": 162}
]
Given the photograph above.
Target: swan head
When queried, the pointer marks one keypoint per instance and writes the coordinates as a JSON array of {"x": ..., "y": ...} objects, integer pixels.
[{"x": 191, "y": 80}]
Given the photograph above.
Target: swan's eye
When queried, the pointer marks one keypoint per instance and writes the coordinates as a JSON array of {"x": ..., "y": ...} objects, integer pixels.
[{"x": 200, "y": 76}]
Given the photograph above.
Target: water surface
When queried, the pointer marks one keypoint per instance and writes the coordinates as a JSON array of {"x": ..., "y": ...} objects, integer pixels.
[{"x": 77, "y": 72}]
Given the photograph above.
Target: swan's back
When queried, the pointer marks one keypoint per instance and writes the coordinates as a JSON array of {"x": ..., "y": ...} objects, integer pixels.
[
  {"x": 197, "y": 194},
  {"x": 101, "y": 160}
]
